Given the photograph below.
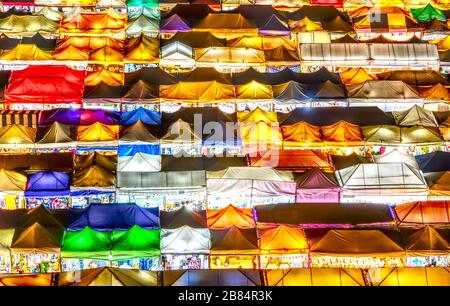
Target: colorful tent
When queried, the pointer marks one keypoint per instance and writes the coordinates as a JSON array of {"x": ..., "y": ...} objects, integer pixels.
[
  {"x": 201, "y": 91},
  {"x": 94, "y": 176},
  {"x": 381, "y": 134},
  {"x": 257, "y": 115},
  {"x": 436, "y": 92},
  {"x": 108, "y": 276},
  {"x": 86, "y": 243},
  {"x": 230, "y": 216},
  {"x": 301, "y": 134},
  {"x": 23, "y": 25},
  {"x": 185, "y": 240},
  {"x": 17, "y": 135},
  {"x": 381, "y": 178},
  {"x": 25, "y": 53},
  {"x": 434, "y": 162},
  {"x": 142, "y": 25},
  {"x": 440, "y": 184},
  {"x": 113, "y": 78},
  {"x": 45, "y": 84},
  {"x": 396, "y": 156},
  {"x": 428, "y": 13},
  {"x": 12, "y": 181},
  {"x": 142, "y": 49},
  {"x": 48, "y": 183},
  {"x": 93, "y": 23},
  {"x": 325, "y": 215},
  {"x": 316, "y": 186},
  {"x": 98, "y": 132},
  {"x": 426, "y": 241},
  {"x": 135, "y": 243},
  {"x": 282, "y": 239},
  {"x": 420, "y": 135},
  {"x": 416, "y": 115},
  {"x": 292, "y": 159},
  {"x": 234, "y": 241},
  {"x": 356, "y": 76},
  {"x": 183, "y": 217},
  {"x": 342, "y": 134},
  {"x": 419, "y": 214}
]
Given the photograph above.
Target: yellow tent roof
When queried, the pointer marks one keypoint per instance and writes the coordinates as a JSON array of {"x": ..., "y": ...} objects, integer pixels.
[
  {"x": 26, "y": 52},
  {"x": 50, "y": 14},
  {"x": 12, "y": 181},
  {"x": 254, "y": 91},
  {"x": 203, "y": 91},
  {"x": 112, "y": 78},
  {"x": 17, "y": 134},
  {"x": 257, "y": 115},
  {"x": 90, "y": 42},
  {"x": 142, "y": 50},
  {"x": 445, "y": 131},
  {"x": 304, "y": 25},
  {"x": 27, "y": 24},
  {"x": 437, "y": 92},
  {"x": 262, "y": 42},
  {"x": 98, "y": 132},
  {"x": 443, "y": 44},
  {"x": 356, "y": 76},
  {"x": 70, "y": 3},
  {"x": 108, "y": 21},
  {"x": 106, "y": 55},
  {"x": 282, "y": 238},
  {"x": 71, "y": 53},
  {"x": 229, "y": 55},
  {"x": 260, "y": 132}
]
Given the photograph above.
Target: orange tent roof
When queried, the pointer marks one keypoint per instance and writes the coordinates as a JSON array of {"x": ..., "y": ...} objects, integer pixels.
[
  {"x": 106, "y": 55},
  {"x": 90, "y": 42},
  {"x": 98, "y": 22},
  {"x": 342, "y": 133},
  {"x": 282, "y": 238},
  {"x": 437, "y": 92},
  {"x": 71, "y": 53},
  {"x": 254, "y": 90},
  {"x": 261, "y": 133},
  {"x": 442, "y": 185},
  {"x": 292, "y": 159},
  {"x": 436, "y": 213},
  {"x": 205, "y": 91},
  {"x": 97, "y": 132},
  {"x": 230, "y": 216},
  {"x": 356, "y": 76},
  {"x": 301, "y": 134}
]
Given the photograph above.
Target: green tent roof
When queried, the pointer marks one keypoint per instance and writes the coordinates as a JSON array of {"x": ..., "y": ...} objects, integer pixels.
[
  {"x": 428, "y": 13},
  {"x": 86, "y": 243},
  {"x": 136, "y": 242},
  {"x": 142, "y": 3}
]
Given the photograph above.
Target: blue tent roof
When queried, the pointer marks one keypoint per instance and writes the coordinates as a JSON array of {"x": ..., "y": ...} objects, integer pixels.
[
  {"x": 131, "y": 150},
  {"x": 48, "y": 181},
  {"x": 103, "y": 217},
  {"x": 146, "y": 116},
  {"x": 434, "y": 162}
]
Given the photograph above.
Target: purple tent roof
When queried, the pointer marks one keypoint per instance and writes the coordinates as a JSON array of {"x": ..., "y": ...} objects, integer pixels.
[
  {"x": 174, "y": 24},
  {"x": 78, "y": 117},
  {"x": 103, "y": 217},
  {"x": 48, "y": 181},
  {"x": 317, "y": 179}
]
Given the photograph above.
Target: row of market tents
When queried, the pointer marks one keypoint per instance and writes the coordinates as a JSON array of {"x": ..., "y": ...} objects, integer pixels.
[
  {"x": 59, "y": 85},
  {"x": 429, "y": 276},
  {"x": 170, "y": 182},
  {"x": 156, "y": 133},
  {"x": 243, "y": 20},
  {"x": 128, "y": 236}
]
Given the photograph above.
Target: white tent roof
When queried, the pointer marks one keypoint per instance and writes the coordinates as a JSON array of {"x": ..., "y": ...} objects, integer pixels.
[
  {"x": 185, "y": 240},
  {"x": 396, "y": 156},
  {"x": 381, "y": 176},
  {"x": 140, "y": 162},
  {"x": 252, "y": 173}
]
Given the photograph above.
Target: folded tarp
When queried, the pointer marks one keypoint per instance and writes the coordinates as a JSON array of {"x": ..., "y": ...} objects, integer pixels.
[{"x": 101, "y": 217}]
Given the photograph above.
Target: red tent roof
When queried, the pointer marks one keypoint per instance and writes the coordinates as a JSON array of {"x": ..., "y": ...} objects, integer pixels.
[{"x": 45, "y": 84}]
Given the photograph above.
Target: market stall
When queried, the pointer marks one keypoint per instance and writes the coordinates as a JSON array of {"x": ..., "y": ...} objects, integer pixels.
[
  {"x": 317, "y": 186},
  {"x": 49, "y": 188}
]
